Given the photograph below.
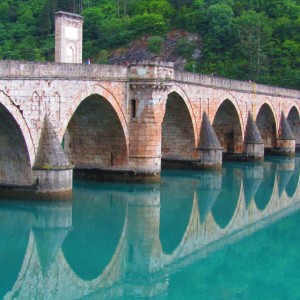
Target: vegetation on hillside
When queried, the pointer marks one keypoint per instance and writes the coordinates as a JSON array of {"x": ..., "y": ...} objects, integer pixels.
[{"x": 241, "y": 39}]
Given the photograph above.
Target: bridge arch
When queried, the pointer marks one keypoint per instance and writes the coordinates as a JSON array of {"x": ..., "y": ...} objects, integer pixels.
[
  {"x": 20, "y": 121},
  {"x": 15, "y": 160},
  {"x": 178, "y": 129},
  {"x": 228, "y": 127},
  {"x": 267, "y": 124},
  {"x": 96, "y": 136},
  {"x": 95, "y": 90},
  {"x": 294, "y": 121},
  {"x": 178, "y": 90}
]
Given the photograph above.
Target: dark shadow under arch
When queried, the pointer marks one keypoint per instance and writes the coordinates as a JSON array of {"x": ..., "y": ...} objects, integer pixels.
[
  {"x": 15, "y": 165},
  {"x": 228, "y": 128},
  {"x": 94, "y": 137},
  {"x": 294, "y": 121},
  {"x": 178, "y": 140},
  {"x": 266, "y": 125}
]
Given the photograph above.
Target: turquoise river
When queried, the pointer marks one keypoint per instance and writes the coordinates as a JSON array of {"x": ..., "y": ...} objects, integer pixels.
[{"x": 233, "y": 234}]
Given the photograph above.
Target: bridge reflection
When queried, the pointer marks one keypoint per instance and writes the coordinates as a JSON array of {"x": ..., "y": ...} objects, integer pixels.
[{"x": 121, "y": 240}]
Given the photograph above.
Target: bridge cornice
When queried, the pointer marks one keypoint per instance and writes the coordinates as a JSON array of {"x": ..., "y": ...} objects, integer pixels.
[
  {"x": 234, "y": 85},
  {"x": 160, "y": 85}
]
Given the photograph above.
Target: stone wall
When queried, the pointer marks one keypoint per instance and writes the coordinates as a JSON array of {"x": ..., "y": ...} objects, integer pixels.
[
  {"x": 49, "y": 71},
  {"x": 169, "y": 109}
]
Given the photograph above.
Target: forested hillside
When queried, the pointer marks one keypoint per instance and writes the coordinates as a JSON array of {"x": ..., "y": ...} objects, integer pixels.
[{"x": 241, "y": 39}]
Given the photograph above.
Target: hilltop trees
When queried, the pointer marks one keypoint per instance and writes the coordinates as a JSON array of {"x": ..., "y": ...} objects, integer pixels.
[{"x": 242, "y": 39}]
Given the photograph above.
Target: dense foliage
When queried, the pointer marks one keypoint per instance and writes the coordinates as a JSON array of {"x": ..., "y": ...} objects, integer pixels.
[{"x": 242, "y": 39}]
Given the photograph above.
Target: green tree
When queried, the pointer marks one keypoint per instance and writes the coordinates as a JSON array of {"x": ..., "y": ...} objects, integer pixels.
[
  {"x": 139, "y": 7},
  {"x": 219, "y": 20},
  {"x": 254, "y": 39},
  {"x": 148, "y": 23},
  {"x": 4, "y": 11}
]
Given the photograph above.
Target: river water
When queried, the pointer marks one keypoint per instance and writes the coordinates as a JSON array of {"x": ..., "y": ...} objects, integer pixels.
[{"x": 233, "y": 234}]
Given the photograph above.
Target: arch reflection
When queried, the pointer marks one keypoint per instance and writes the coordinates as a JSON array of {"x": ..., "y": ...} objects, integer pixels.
[
  {"x": 265, "y": 191},
  {"x": 98, "y": 221},
  {"x": 125, "y": 224},
  {"x": 176, "y": 199},
  {"x": 252, "y": 178},
  {"x": 208, "y": 190},
  {"x": 285, "y": 168},
  {"x": 294, "y": 180},
  {"x": 227, "y": 200},
  {"x": 14, "y": 234}
]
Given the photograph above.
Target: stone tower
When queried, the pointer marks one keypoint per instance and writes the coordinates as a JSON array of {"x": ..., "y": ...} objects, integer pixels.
[{"x": 68, "y": 37}]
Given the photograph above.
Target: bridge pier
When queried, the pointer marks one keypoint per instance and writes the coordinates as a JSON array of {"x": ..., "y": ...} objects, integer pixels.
[
  {"x": 52, "y": 170},
  {"x": 253, "y": 142},
  {"x": 147, "y": 110},
  {"x": 145, "y": 151},
  {"x": 286, "y": 142},
  {"x": 209, "y": 147}
]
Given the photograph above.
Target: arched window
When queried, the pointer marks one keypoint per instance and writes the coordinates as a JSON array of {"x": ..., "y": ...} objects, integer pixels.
[{"x": 70, "y": 54}]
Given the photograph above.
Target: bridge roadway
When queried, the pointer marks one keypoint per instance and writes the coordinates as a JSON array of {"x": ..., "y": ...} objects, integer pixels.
[
  {"x": 44, "y": 269},
  {"x": 115, "y": 120}
]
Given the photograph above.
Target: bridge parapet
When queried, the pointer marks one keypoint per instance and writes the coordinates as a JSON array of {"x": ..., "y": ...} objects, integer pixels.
[
  {"x": 230, "y": 84},
  {"x": 149, "y": 70},
  {"x": 145, "y": 70},
  {"x": 45, "y": 70}
]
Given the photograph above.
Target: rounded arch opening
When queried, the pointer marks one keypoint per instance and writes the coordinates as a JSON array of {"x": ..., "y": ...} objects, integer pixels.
[
  {"x": 266, "y": 125},
  {"x": 228, "y": 129},
  {"x": 15, "y": 167},
  {"x": 294, "y": 121},
  {"x": 94, "y": 137},
  {"x": 178, "y": 139}
]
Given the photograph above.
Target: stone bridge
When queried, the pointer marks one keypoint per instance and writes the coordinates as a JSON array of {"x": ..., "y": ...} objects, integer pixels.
[
  {"x": 124, "y": 120},
  {"x": 43, "y": 268}
]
